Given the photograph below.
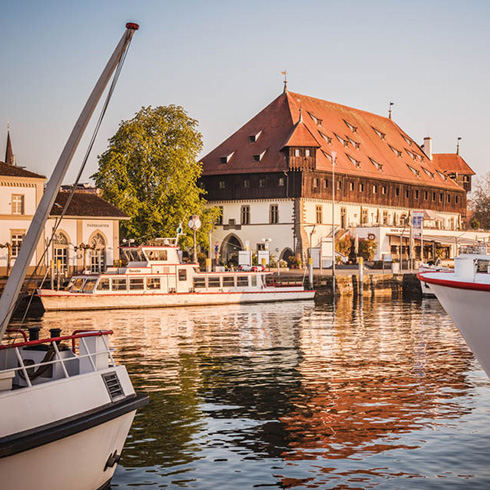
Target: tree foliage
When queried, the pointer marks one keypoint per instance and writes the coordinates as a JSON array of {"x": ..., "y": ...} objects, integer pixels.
[
  {"x": 150, "y": 171},
  {"x": 480, "y": 202}
]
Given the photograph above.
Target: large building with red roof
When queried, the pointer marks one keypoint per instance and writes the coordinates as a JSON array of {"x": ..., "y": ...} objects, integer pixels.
[{"x": 274, "y": 180}]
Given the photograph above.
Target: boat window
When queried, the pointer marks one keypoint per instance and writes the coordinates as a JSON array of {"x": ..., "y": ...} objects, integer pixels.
[
  {"x": 119, "y": 284},
  {"x": 152, "y": 283},
  {"x": 199, "y": 282},
  {"x": 253, "y": 281},
  {"x": 136, "y": 283},
  {"x": 77, "y": 285},
  {"x": 153, "y": 255},
  {"x": 182, "y": 275},
  {"x": 242, "y": 281},
  {"x": 228, "y": 281},
  {"x": 214, "y": 282},
  {"x": 104, "y": 284},
  {"x": 89, "y": 285}
]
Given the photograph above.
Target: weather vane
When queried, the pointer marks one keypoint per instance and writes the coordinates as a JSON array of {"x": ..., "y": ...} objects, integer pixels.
[{"x": 285, "y": 73}]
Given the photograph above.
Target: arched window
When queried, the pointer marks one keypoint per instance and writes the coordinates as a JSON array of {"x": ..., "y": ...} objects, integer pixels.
[
  {"x": 60, "y": 251},
  {"x": 97, "y": 253}
]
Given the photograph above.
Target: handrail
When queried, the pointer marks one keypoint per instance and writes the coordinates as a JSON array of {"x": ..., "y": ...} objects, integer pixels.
[
  {"x": 15, "y": 330},
  {"x": 73, "y": 337}
]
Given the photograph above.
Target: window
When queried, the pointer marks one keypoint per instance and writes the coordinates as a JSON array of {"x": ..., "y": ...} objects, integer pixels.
[
  {"x": 456, "y": 199},
  {"x": 343, "y": 218},
  {"x": 17, "y": 203},
  {"x": 379, "y": 133},
  {"x": 375, "y": 189},
  {"x": 398, "y": 153},
  {"x": 414, "y": 171},
  {"x": 397, "y": 191},
  {"x": 351, "y": 126},
  {"x": 383, "y": 189},
  {"x": 199, "y": 282},
  {"x": 261, "y": 182},
  {"x": 119, "y": 284},
  {"x": 228, "y": 281},
  {"x": 449, "y": 198},
  {"x": 77, "y": 285},
  {"x": 316, "y": 183},
  {"x": 136, "y": 283},
  {"x": 61, "y": 251},
  {"x": 152, "y": 283},
  {"x": 104, "y": 284},
  {"x": 16, "y": 241},
  {"x": 280, "y": 182},
  {"x": 361, "y": 187},
  {"x": 89, "y": 285},
  {"x": 246, "y": 183},
  {"x": 407, "y": 193},
  {"x": 326, "y": 183},
  {"x": 213, "y": 282},
  {"x": 351, "y": 186},
  {"x": 307, "y": 153},
  {"x": 319, "y": 214},
  {"x": 297, "y": 152},
  {"x": 220, "y": 217},
  {"x": 258, "y": 158},
  {"x": 433, "y": 196},
  {"x": 221, "y": 184},
  {"x": 339, "y": 185},
  {"x": 441, "y": 196},
  {"x": 365, "y": 217},
  {"x": 327, "y": 139},
  {"x": 182, "y": 274},
  {"x": 254, "y": 137},
  {"x": 356, "y": 163},
  {"x": 227, "y": 158},
  {"x": 97, "y": 253},
  {"x": 242, "y": 281},
  {"x": 426, "y": 195},
  {"x": 385, "y": 217},
  {"x": 274, "y": 214},
  {"x": 378, "y": 166},
  {"x": 245, "y": 215},
  {"x": 416, "y": 193}
]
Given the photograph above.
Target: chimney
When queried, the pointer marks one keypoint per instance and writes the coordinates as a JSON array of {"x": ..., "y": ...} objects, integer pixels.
[{"x": 427, "y": 147}]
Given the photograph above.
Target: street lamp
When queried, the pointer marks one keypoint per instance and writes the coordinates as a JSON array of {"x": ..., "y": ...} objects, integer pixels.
[
  {"x": 334, "y": 158},
  {"x": 194, "y": 225}
]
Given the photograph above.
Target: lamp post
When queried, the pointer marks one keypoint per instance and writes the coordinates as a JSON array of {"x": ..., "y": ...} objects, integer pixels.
[{"x": 194, "y": 225}]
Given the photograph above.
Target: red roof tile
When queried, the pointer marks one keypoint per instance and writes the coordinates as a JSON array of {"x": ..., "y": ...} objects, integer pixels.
[
  {"x": 12, "y": 171},
  {"x": 87, "y": 204},
  {"x": 381, "y": 147},
  {"x": 301, "y": 136},
  {"x": 451, "y": 162}
]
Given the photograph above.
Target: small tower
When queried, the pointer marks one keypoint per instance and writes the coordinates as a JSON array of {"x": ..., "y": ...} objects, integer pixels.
[{"x": 9, "y": 154}]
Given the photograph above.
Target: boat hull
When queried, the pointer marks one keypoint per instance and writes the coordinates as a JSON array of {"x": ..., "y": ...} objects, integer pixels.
[
  {"x": 470, "y": 310},
  {"x": 77, "y": 461},
  {"x": 71, "y": 301}
]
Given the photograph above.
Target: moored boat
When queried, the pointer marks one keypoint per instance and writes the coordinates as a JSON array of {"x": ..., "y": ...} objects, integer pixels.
[
  {"x": 465, "y": 294},
  {"x": 156, "y": 276}
]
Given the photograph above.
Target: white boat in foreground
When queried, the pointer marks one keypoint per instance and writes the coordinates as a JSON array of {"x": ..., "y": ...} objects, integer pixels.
[
  {"x": 156, "y": 277},
  {"x": 66, "y": 408},
  {"x": 465, "y": 295}
]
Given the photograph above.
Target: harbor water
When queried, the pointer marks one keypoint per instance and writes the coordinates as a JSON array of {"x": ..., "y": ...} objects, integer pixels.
[{"x": 376, "y": 393}]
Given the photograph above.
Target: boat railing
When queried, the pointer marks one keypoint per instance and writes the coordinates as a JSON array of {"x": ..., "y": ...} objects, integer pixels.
[{"x": 89, "y": 351}]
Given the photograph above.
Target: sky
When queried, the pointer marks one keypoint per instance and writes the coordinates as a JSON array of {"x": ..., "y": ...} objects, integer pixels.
[{"x": 222, "y": 61}]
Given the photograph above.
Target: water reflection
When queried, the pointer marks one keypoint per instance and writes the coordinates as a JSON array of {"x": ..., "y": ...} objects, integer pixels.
[{"x": 298, "y": 395}]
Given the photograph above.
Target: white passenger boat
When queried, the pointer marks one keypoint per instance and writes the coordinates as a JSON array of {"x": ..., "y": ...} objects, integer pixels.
[
  {"x": 156, "y": 276},
  {"x": 66, "y": 408},
  {"x": 465, "y": 294},
  {"x": 426, "y": 290}
]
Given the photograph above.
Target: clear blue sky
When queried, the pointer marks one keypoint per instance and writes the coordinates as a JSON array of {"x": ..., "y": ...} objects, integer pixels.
[{"x": 221, "y": 60}]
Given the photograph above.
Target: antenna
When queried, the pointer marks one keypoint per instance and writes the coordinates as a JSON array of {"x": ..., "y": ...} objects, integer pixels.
[
  {"x": 457, "y": 146},
  {"x": 285, "y": 73},
  {"x": 389, "y": 110}
]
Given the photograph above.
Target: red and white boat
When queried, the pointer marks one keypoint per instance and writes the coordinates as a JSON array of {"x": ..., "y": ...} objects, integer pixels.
[
  {"x": 156, "y": 277},
  {"x": 465, "y": 294},
  {"x": 66, "y": 408}
]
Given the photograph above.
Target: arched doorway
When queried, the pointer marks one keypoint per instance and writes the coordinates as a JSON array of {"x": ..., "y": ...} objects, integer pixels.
[
  {"x": 97, "y": 253},
  {"x": 60, "y": 251},
  {"x": 286, "y": 255},
  {"x": 229, "y": 249}
]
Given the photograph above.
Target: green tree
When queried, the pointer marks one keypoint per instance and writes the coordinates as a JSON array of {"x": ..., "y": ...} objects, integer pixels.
[
  {"x": 150, "y": 171},
  {"x": 480, "y": 202}
]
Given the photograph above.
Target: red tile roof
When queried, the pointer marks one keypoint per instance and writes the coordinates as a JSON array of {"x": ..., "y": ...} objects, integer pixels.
[
  {"x": 86, "y": 204},
  {"x": 8, "y": 170},
  {"x": 379, "y": 146},
  {"x": 301, "y": 136},
  {"x": 451, "y": 162}
]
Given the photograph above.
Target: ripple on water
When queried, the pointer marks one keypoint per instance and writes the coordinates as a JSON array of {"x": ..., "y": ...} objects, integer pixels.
[{"x": 377, "y": 394}]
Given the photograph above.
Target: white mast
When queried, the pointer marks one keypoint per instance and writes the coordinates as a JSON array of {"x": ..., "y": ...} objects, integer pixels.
[{"x": 19, "y": 271}]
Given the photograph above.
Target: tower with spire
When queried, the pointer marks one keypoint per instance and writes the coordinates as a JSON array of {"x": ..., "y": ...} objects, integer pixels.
[{"x": 9, "y": 154}]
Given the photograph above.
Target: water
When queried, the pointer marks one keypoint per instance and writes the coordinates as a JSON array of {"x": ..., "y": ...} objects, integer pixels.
[{"x": 383, "y": 394}]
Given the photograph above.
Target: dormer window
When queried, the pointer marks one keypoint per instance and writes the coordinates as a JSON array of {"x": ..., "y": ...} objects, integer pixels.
[
  {"x": 342, "y": 140},
  {"x": 398, "y": 153},
  {"x": 329, "y": 157},
  {"x": 254, "y": 137},
  {"x": 414, "y": 171},
  {"x": 326, "y": 138},
  {"x": 408, "y": 140},
  {"x": 227, "y": 158},
  {"x": 317, "y": 121},
  {"x": 379, "y": 133},
  {"x": 429, "y": 173},
  {"x": 411, "y": 154},
  {"x": 258, "y": 158},
  {"x": 356, "y": 163},
  {"x": 378, "y": 166},
  {"x": 350, "y": 126},
  {"x": 355, "y": 144},
  {"x": 443, "y": 177}
]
